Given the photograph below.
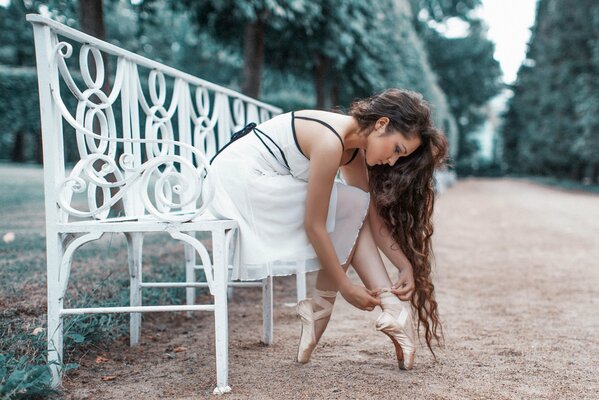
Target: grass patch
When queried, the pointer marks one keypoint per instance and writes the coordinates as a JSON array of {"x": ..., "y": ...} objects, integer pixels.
[
  {"x": 99, "y": 278},
  {"x": 19, "y": 379}
]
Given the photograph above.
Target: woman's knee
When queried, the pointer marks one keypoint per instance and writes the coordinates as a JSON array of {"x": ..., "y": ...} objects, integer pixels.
[{"x": 354, "y": 200}]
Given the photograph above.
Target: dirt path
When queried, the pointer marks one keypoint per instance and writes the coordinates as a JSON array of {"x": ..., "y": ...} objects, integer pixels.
[{"x": 517, "y": 280}]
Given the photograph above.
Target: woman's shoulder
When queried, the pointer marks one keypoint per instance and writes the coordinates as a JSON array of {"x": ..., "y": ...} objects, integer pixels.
[
  {"x": 333, "y": 121},
  {"x": 316, "y": 113}
]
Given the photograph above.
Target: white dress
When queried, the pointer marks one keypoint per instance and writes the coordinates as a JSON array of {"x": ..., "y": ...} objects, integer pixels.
[{"x": 261, "y": 181}]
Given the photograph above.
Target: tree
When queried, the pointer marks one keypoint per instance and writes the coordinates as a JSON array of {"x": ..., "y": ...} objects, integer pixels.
[
  {"x": 551, "y": 125},
  {"x": 253, "y": 22},
  {"x": 17, "y": 36},
  {"x": 467, "y": 71},
  {"x": 91, "y": 21},
  {"x": 16, "y": 50},
  {"x": 441, "y": 10},
  {"x": 468, "y": 74},
  {"x": 344, "y": 47}
]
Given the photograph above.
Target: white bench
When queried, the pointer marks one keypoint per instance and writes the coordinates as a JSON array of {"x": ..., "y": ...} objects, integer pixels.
[{"x": 154, "y": 162}]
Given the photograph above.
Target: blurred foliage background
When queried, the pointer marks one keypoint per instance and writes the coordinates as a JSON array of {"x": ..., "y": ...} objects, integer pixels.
[{"x": 324, "y": 54}]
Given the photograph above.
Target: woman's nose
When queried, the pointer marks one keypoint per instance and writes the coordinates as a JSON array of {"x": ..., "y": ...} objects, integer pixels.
[{"x": 393, "y": 160}]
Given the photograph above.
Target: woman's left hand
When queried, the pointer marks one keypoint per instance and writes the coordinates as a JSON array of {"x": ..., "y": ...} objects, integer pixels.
[{"x": 404, "y": 287}]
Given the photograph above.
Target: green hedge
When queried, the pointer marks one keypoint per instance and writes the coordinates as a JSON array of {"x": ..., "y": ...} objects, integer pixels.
[
  {"x": 19, "y": 110},
  {"x": 19, "y": 113}
]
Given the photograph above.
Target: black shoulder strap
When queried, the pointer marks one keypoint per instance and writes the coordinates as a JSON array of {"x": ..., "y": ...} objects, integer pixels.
[
  {"x": 247, "y": 129},
  {"x": 325, "y": 124}
]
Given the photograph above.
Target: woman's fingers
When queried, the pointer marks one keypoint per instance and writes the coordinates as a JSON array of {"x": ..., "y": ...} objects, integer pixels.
[
  {"x": 402, "y": 290},
  {"x": 403, "y": 297},
  {"x": 403, "y": 294},
  {"x": 376, "y": 301},
  {"x": 371, "y": 299}
]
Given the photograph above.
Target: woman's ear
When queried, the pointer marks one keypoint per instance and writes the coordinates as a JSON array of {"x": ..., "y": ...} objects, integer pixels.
[{"x": 381, "y": 124}]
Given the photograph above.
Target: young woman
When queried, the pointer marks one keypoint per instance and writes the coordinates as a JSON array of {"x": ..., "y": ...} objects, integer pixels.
[{"x": 279, "y": 181}]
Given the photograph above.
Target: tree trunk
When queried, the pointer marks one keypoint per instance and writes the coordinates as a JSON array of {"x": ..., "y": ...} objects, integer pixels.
[
  {"x": 253, "y": 58},
  {"x": 320, "y": 74},
  {"x": 334, "y": 93},
  {"x": 39, "y": 149},
  {"x": 594, "y": 173},
  {"x": 576, "y": 171},
  {"x": 91, "y": 21},
  {"x": 18, "y": 149}
]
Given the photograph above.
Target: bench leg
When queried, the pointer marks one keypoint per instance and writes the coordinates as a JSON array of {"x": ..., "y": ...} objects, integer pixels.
[
  {"x": 267, "y": 310},
  {"x": 221, "y": 334},
  {"x": 54, "y": 247},
  {"x": 190, "y": 273},
  {"x": 134, "y": 250},
  {"x": 233, "y": 258},
  {"x": 230, "y": 293},
  {"x": 300, "y": 279}
]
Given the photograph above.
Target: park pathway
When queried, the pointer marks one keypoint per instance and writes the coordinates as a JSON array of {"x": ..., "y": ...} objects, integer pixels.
[{"x": 517, "y": 280}]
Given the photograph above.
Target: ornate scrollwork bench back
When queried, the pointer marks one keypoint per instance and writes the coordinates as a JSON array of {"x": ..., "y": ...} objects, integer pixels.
[{"x": 155, "y": 159}]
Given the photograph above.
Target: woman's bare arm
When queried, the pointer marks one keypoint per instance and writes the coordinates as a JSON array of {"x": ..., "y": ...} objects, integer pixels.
[
  {"x": 324, "y": 163},
  {"x": 404, "y": 285},
  {"x": 385, "y": 242},
  {"x": 356, "y": 174}
]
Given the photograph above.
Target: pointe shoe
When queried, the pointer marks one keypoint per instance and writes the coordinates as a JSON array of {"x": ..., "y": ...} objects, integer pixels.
[
  {"x": 307, "y": 315},
  {"x": 402, "y": 333},
  {"x": 307, "y": 341}
]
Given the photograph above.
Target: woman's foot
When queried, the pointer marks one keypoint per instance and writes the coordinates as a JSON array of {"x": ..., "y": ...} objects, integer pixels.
[
  {"x": 307, "y": 338},
  {"x": 313, "y": 322},
  {"x": 396, "y": 322}
]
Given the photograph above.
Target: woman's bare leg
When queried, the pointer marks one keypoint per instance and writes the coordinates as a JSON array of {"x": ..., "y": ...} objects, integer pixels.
[
  {"x": 367, "y": 262},
  {"x": 370, "y": 267},
  {"x": 325, "y": 284}
]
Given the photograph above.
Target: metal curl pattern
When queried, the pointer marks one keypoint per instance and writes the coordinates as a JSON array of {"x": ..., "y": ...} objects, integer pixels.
[{"x": 164, "y": 161}]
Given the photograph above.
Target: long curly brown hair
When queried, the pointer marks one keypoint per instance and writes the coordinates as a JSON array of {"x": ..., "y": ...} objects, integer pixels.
[{"x": 404, "y": 193}]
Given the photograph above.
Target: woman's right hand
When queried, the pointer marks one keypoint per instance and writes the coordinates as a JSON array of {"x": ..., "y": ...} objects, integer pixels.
[{"x": 359, "y": 296}]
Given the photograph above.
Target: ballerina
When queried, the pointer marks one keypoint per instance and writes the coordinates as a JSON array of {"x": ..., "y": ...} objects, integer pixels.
[{"x": 279, "y": 180}]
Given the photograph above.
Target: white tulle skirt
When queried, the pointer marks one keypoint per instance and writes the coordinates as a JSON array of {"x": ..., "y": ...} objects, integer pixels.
[{"x": 269, "y": 205}]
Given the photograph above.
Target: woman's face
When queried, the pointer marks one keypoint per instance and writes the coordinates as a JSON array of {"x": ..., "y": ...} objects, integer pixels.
[{"x": 387, "y": 147}]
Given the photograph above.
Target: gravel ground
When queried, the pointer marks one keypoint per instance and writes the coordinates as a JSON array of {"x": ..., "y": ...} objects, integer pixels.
[{"x": 517, "y": 284}]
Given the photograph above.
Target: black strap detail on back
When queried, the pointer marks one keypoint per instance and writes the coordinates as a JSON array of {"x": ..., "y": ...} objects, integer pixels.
[
  {"x": 239, "y": 134},
  {"x": 295, "y": 134},
  {"x": 352, "y": 156},
  {"x": 325, "y": 124},
  {"x": 249, "y": 128},
  {"x": 256, "y": 131}
]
